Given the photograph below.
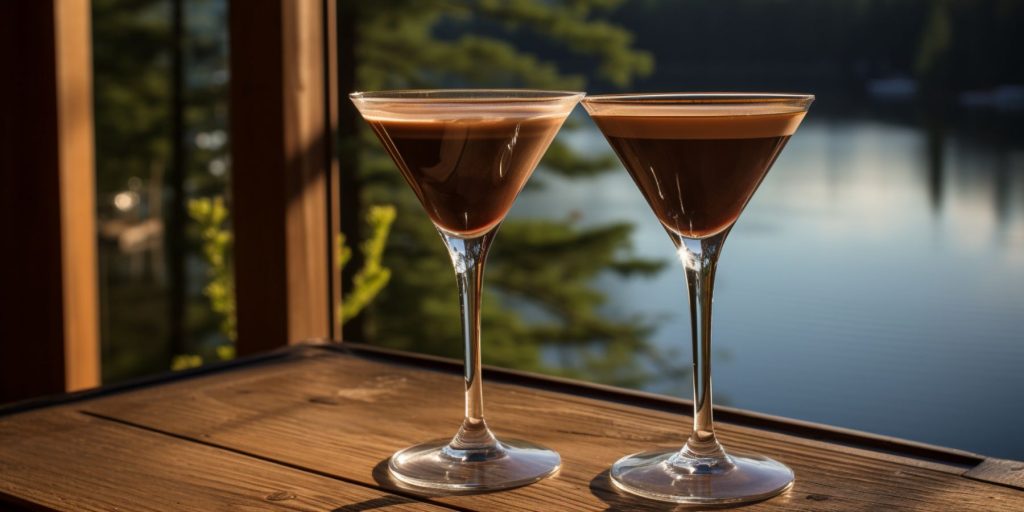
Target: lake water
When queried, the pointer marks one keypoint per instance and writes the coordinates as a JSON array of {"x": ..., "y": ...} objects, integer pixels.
[{"x": 876, "y": 280}]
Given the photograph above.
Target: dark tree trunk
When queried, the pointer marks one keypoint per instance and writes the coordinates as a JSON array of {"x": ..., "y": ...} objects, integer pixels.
[
  {"x": 348, "y": 156},
  {"x": 175, "y": 215}
]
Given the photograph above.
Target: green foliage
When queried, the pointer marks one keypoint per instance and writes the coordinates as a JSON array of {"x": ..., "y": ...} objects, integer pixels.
[
  {"x": 372, "y": 277},
  {"x": 211, "y": 215},
  {"x": 132, "y": 89},
  {"x": 132, "y": 50},
  {"x": 186, "y": 361},
  {"x": 571, "y": 24},
  {"x": 563, "y": 160},
  {"x": 540, "y": 293},
  {"x": 399, "y": 47}
]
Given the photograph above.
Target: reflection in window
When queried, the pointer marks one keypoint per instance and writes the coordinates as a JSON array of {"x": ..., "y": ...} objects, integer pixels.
[{"x": 161, "y": 78}]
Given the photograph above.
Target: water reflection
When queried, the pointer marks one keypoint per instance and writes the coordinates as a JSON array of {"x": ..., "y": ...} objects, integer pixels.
[
  {"x": 935, "y": 135},
  {"x": 876, "y": 281}
]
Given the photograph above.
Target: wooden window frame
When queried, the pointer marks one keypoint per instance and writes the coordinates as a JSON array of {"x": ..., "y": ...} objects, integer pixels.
[
  {"x": 285, "y": 214},
  {"x": 283, "y": 119}
]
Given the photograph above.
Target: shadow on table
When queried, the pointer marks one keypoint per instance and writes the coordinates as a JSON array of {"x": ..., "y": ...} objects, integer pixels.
[
  {"x": 382, "y": 502},
  {"x": 403, "y": 494},
  {"x": 617, "y": 501}
]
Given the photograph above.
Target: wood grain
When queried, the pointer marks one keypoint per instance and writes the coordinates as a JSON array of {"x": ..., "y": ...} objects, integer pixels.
[
  {"x": 344, "y": 415},
  {"x": 1001, "y": 471},
  {"x": 77, "y": 196},
  {"x": 280, "y": 167},
  {"x": 63, "y": 460}
]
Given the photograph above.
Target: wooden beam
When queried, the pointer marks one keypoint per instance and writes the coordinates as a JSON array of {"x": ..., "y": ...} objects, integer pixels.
[
  {"x": 77, "y": 193},
  {"x": 280, "y": 168},
  {"x": 49, "y": 334}
]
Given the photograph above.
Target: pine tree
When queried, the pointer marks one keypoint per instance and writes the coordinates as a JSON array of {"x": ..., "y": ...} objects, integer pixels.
[
  {"x": 546, "y": 266},
  {"x": 132, "y": 63}
]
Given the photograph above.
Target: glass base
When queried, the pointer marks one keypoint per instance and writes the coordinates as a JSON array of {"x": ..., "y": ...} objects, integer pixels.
[
  {"x": 437, "y": 465},
  {"x": 667, "y": 476}
]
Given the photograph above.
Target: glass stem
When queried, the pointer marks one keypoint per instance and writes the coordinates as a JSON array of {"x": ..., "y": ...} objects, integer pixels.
[
  {"x": 474, "y": 440},
  {"x": 700, "y": 258}
]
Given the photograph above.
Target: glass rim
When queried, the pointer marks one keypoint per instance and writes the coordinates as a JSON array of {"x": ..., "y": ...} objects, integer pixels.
[
  {"x": 466, "y": 96},
  {"x": 701, "y": 98}
]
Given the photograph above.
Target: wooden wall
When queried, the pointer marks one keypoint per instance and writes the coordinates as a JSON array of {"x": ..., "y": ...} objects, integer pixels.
[
  {"x": 49, "y": 335},
  {"x": 283, "y": 118}
]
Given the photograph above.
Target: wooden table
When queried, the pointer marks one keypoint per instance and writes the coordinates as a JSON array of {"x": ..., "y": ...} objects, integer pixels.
[{"x": 311, "y": 427}]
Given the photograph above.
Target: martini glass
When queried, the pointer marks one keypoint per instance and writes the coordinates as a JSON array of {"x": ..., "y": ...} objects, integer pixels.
[
  {"x": 467, "y": 154},
  {"x": 697, "y": 159}
]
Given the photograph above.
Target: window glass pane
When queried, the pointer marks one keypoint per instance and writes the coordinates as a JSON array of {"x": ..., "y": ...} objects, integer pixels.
[
  {"x": 161, "y": 250},
  {"x": 881, "y": 261}
]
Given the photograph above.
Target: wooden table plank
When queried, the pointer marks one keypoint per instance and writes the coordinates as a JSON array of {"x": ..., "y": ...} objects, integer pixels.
[
  {"x": 64, "y": 460},
  {"x": 1006, "y": 472},
  {"x": 344, "y": 415}
]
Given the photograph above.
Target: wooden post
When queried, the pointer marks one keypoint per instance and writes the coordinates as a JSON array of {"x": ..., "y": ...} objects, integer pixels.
[
  {"x": 49, "y": 334},
  {"x": 281, "y": 162}
]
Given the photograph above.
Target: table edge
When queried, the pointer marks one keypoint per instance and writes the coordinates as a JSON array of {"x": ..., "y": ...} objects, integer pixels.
[{"x": 966, "y": 461}]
